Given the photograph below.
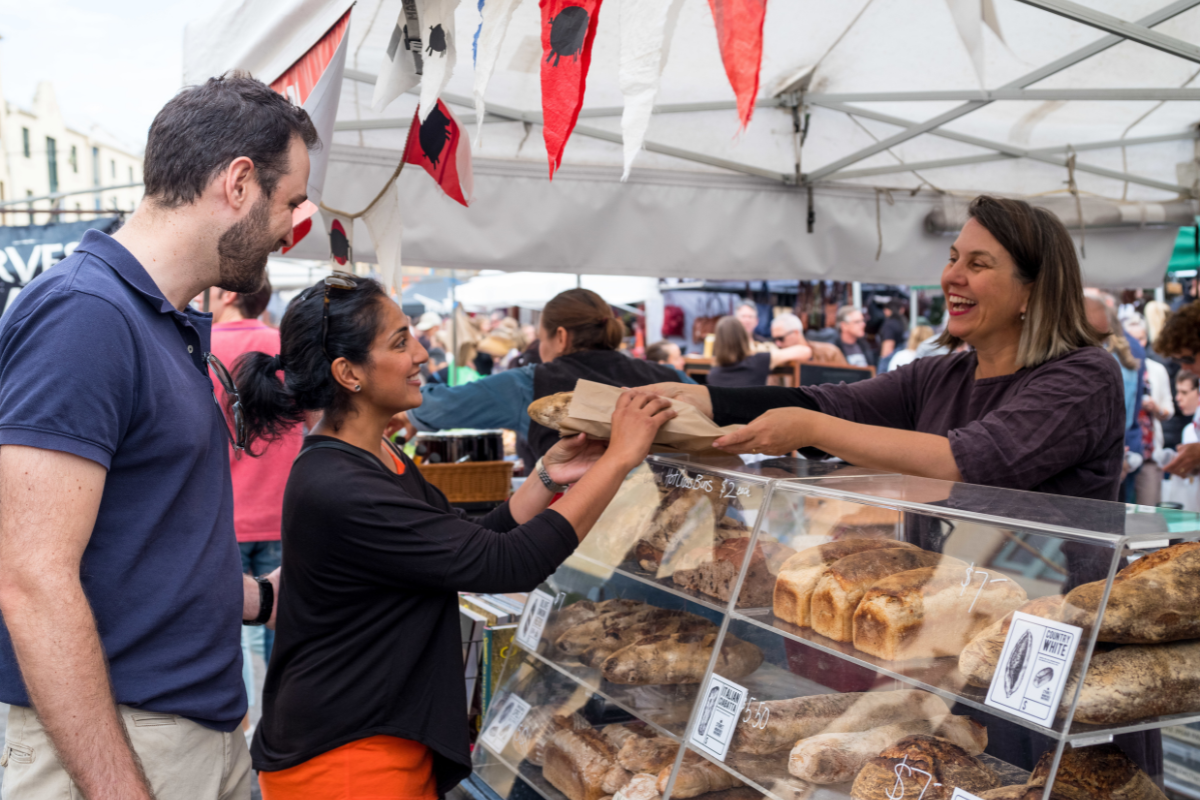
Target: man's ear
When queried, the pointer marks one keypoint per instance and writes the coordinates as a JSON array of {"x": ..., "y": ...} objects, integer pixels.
[{"x": 238, "y": 179}]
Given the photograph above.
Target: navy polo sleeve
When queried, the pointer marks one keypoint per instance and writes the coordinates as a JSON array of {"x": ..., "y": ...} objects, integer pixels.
[{"x": 68, "y": 375}]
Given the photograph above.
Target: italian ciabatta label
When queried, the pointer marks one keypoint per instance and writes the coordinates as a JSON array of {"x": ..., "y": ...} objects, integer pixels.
[
  {"x": 504, "y": 724},
  {"x": 533, "y": 620},
  {"x": 721, "y": 706},
  {"x": 1033, "y": 667}
]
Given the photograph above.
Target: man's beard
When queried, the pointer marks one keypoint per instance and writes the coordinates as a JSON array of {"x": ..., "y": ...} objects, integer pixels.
[{"x": 244, "y": 248}]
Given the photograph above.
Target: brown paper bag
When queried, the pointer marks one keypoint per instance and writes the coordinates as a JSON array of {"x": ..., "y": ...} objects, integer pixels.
[{"x": 592, "y": 408}]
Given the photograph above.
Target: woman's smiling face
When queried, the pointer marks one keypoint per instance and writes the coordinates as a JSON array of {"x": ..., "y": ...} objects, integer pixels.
[
  {"x": 396, "y": 357},
  {"x": 985, "y": 297}
]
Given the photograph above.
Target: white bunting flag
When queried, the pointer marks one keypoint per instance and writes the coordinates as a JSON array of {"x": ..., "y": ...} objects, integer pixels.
[
  {"x": 400, "y": 70},
  {"x": 383, "y": 223},
  {"x": 496, "y": 16},
  {"x": 438, "y": 39},
  {"x": 646, "y": 30}
]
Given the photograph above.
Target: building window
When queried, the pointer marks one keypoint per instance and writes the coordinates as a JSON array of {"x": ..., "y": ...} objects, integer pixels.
[
  {"x": 96, "y": 170},
  {"x": 25, "y": 141},
  {"x": 52, "y": 163},
  {"x": 113, "y": 168},
  {"x": 74, "y": 159}
]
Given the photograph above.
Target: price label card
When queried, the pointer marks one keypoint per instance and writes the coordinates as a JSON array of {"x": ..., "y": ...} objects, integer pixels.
[
  {"x": 1033, "y": 667},
  {"x": 505, "y": 723},
  {"x": 533, "y": 620},
  {"x": 960, "y": 794},
  {"x": 720, "y": 709}
]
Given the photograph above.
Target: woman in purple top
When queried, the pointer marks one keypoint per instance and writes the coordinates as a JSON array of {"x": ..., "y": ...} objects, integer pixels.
[{"x": 1034, "y": 404}]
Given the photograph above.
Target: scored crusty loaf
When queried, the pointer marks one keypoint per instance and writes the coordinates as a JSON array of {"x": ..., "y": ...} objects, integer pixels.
[
  {"x": 928, "y": 612},
  {"x": 922, "y": 767},
  {"x": 1152, "y": 600},
  {"x": 551, "y": 410},
  {"x": 978, "y": 660},
  {"x": 844, "y": 583},
  {"x": 679, "y": 658},
  {"x": 647, "y": 755},
  {"x": 619, "y": 735},
  {"x": 619, "y": 634},
  {"x": 788, "y": 721},
  {"x": 1101, "y": 772},
  {"x": 578, "y": 639},
  {"x": 713, "y": 570},
  {"x": 798, "y": 575},
  {"x": 837, "y": 757},
  {"x": 568, "y": 617},
  {"x": 686, "y": 518},
  {"x": 697, "y": 776},
  {"x": 530, "y": 737},
  {"x": 640, "y": 787},
  {"x": 1136, "y": 681},
  {"x": 577, "y": 763},
  {"x": 1023, "y": 792}
]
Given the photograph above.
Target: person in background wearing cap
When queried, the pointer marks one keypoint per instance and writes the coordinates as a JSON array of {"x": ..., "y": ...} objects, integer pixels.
[{"x": 427, "y": 327}]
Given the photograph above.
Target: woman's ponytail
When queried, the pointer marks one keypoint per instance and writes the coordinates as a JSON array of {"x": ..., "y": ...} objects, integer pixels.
[{"x": 268, "y": 408}]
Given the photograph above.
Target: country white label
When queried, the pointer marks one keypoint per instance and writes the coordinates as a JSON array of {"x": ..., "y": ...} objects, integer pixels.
[
  {"x": 533, "y": 620},
  {"x": 1034, "y": 667},
  {"x": 720, "y": 710},
  {"x": 960, "y": 794},
  {"x": 505, "y": 723}
]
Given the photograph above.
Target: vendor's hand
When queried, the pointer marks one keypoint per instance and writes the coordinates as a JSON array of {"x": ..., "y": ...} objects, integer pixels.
[
  {"x": 777, "y": 432},
  {"x": 1186, "y": 462},
  {"x": 635, "y": 422},
  {"x": 400, "y": 422},
  {"x": 690, "y": 393},
  {"x": 568, "y": 460}
]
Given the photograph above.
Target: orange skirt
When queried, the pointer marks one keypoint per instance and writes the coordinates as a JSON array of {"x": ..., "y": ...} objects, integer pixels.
[{"x": 375, "y": 768}]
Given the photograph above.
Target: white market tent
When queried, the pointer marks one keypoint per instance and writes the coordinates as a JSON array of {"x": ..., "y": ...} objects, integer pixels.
[
  {"x": 533, "y": 290},
  {"x": 912, "y": 106}
]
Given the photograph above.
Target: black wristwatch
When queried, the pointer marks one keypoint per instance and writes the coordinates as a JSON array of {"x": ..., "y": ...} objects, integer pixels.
[{"x": 266, "y": 602}]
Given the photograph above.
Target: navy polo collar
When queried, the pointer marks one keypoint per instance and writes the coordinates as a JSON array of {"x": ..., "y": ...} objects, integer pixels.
[{"x": 123, "y": 262}]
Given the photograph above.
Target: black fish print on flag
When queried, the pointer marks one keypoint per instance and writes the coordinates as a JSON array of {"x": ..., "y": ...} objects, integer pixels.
[
  {"x": 568, "y": 29},
  {"x": 437, "y": 41},
  {"x": 440, "y": 50},
  {"x": 439, "y": 146}
]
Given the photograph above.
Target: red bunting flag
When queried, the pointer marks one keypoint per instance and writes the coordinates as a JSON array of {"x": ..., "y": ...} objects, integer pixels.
[
  {"x": 740, "y": 36},
  {"x": 568, "y": 28},
  {"x": 438, "y": 145}
]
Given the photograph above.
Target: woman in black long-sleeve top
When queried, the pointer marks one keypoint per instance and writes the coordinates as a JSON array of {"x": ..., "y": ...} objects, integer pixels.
[{"x": 366, "y": 680}]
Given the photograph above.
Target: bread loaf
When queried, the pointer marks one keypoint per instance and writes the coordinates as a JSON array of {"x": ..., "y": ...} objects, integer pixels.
[
  {"x": 788, "y": 721},
  {"x": 1024, "y": 792},
  {"x": 837, "y": 757},
  {"x": 647, "y": 755},
  {"x": 687, "y": 518},
  {"x": 566, "y": 618},
  {"x": 578, "y": 639},
  {"x": 551, "y": 410},
  {"x": 530, "y": 737},
  {"x": 1137, "y": 681},
  {"x": 922, "y": 767},
  {"x": 798, "y": 575},
  {"x": 845, "y": 582},
  {"x": 1152, "y": 600},
  {"x": 929, "y": 612},
  {"x": 1102, "y": 772},
  {"x": 712, "y": 570},
  {"x": 577, "y": 763},
  {"x": 978, "y": 660},
  {"x": 619, "y": 735},
  {"x": 696, "y": 776},
  {"x": 659, "y": 622},
  {"x": 679, "y": 658},
  {"x": 640, "y": 787}
]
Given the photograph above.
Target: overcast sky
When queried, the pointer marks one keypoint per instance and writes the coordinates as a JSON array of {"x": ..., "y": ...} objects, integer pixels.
[{"x": 112, "y": 63}]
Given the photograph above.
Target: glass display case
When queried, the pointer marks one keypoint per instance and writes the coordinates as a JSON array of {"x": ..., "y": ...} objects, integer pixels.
[{"x": 794, "y": 629}]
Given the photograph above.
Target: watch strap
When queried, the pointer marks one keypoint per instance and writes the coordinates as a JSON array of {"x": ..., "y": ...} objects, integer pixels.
[
  {"x": 266, "y": 602},
  {"x": 540, "y": 469}
]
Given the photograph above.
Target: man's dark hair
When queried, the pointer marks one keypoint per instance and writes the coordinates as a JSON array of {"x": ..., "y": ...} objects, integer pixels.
[
  {"x": 253, "y": 304},
  {"x": 202, "y": 129},
  {"x": 658, "y": 352}
]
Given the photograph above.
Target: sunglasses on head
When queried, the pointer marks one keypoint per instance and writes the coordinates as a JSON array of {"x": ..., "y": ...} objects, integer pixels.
[
  {"x": 237, "y": 435},
  {"x": 337, "y": 280}
]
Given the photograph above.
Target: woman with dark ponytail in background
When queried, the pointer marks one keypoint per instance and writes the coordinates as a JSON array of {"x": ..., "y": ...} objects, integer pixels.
[
  {"x": 578, "y": 337},
  {"x": 364, "y": 695}
]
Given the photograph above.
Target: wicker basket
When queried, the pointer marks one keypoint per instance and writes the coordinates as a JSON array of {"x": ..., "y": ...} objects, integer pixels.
[{"x": 472, "y": 482}]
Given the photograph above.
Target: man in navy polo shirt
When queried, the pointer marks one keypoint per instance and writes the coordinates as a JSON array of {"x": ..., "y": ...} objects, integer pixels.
[{"x": 120, "y": 579}]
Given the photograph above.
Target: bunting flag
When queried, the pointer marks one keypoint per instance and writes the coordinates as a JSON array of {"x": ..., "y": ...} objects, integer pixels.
[
  {"x": 647, "y": 27},
  {"x": 439, "y": 146},
  {"x": 402, "y": 61},
  {"x": 437, "y": 25},
  {"x": 740, "y": 36},
  {"x": 568, "y": 29},
  {"x": 496, "y": 16},
  {"x": 314, "y": 82},
  {"x": 340, "y": 231},
  {"x": 383, "y": 223}
]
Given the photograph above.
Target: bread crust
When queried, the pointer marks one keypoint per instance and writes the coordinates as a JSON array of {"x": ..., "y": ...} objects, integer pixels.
[
  {"x": 1102, "y": 772},
  {"x": 978, "y": 660},
  {"x": 798, "y": 575},
  {"x": 697, "y": 776},
  {"x": 1137, "y": 681},
  {"x": 929, "y": 612},
  {"x": 577, "y": 763},
  {"x": 677, "y": 658},
  {"x": 647, "y": 755},
  {"x": 845, "y": 582},
  {"x": 530, "y": 737},
  {"x": 712, "y": 570},
  {"x": 924, "y": 767},
  {"x": 551, "y": 410}
]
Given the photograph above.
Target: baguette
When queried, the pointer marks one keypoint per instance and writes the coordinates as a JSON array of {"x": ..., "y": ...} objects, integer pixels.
[
  {"x": 577, "y": 763},
  {"x": 640, "y": 787},
  {"x": 647, "y": 755},
  {"x": 922, "y": 767},
  {"x": 659, "y": 622},
  {"x": 1152, "y": 600},
  {"x": 697, "y": 776},
  {"x": 978, "y": 660},
  {"x": 1102, "y": 772},
  {"x": 679, "y": 658},
  {"x": 799, "y": 718},
  {"x": 1137, "y": 681},
  {"x": 798, "y": 575},
  {"x": 837, "y": 757},
  {"x": 530, "y": 737},
  {"x": 712, "y": 570},
  {"x": 578, "y": 639},
  {"x": 845, "y": 582},
  {"x": 551, "y": 410},
  {"x": 929, "y": 612}
]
